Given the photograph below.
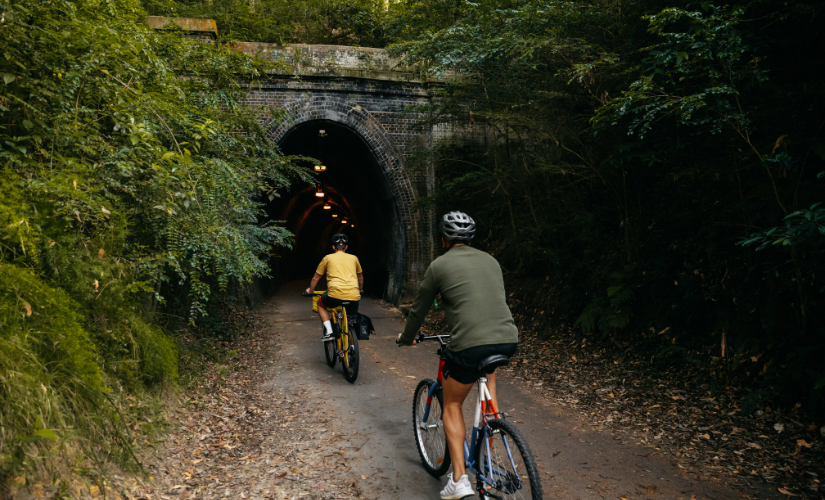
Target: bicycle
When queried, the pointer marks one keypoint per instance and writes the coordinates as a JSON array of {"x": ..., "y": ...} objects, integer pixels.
[
  {"x": 345, "y": 343},
  {"x": 500, "y": 473}
]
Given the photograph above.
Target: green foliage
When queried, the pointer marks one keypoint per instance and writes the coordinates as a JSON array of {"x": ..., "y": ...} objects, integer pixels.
[
  {"x": 696, "y": 74},
  {"x": 611, "y": 311},
  {"x": 332, "y": 22},
  {"x": 129, "y": 173},
  {"x": 620, "y": 154}
]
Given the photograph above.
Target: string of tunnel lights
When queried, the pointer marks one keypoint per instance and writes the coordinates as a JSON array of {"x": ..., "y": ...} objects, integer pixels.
[{"x": 320, "y": 167}]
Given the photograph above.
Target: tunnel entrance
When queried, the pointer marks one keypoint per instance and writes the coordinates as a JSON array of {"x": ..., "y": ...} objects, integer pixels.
[{"x": 357, "y": 200}]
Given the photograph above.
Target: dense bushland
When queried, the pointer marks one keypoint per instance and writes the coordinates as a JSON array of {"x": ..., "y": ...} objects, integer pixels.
[
  {"x": 129, "y": 172},
  {"x": 652, "y": 173}
]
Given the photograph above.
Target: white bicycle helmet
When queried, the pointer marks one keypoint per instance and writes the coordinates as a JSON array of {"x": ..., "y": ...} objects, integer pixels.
[{"x": 458, "y": 227}]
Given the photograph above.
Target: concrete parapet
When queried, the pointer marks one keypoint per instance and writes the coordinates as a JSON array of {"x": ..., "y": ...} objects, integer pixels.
[{"x": 332, "y": 61}]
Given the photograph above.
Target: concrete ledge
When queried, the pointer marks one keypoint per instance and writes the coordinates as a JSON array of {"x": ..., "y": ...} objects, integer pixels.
[
  {"x": 331, "y": 61},
  {"x": 194, "y": 26}
]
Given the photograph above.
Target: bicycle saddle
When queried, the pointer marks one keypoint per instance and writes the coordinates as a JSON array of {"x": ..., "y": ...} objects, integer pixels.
[{"x": 490, "y": 363}]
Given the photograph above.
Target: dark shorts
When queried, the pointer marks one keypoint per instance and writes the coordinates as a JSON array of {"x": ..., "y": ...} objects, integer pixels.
[
  {"x": 351, "y": 306},
  {"x": 462, "y": 366}
]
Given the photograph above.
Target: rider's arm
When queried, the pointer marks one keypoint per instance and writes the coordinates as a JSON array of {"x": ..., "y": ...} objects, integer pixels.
[
  {"x": 319, "y": 273},
  {"x": 421, "y": 305},
  {"x": 315, "y": 279},
  {"x": 361, "y": 281}
]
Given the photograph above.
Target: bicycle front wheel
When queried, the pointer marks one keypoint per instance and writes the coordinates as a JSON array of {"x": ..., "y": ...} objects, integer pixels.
[
  {"x": 506, "y": 464},
  {"x": 429, "y": 436},
  {"x": 350, "y": 359}
]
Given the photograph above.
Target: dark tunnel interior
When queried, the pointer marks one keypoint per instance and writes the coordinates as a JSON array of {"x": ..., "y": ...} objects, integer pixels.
[{"x": 355, "y": 189}]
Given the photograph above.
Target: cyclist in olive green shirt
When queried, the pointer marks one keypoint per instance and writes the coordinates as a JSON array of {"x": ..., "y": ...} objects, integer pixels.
[{"x": 472, "y": 294}]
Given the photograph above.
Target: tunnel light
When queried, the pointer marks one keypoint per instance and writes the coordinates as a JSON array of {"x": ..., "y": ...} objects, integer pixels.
[
  {"x": 353, "y": 225},
  {"x": 319, "y": 193},
  {"x": 327, "y": 206},
  {"x": 320, "y": 168},
  {"x": 335, "y": 215},
  {"x": 344, "y": 221}
]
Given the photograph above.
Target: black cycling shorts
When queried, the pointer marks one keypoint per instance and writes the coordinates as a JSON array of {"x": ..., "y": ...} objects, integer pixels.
[
  {"x": 351, "y": 306},
  {"x": 462, "y": 366}
]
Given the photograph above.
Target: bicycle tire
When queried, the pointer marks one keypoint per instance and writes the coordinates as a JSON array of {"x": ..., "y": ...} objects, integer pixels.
[
  {"x": 435, "y": 466},
  {"x": 350, "y": 361},
  {"x": 505, "y": 489},
  {"x": 330, "y": 352}
]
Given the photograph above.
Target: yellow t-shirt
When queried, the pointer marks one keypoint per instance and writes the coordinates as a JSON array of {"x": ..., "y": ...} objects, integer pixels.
[{"x": 342, "y": 271}]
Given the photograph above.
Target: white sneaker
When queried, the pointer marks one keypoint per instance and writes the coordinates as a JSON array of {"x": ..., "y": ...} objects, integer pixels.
[
  {"x": 459, "y": 490},
  {"x": 327, "y": 337}
]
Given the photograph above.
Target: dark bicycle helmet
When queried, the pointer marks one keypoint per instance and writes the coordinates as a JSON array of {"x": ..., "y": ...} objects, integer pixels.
[
  {"x": 458, "y": 227},
  {"x": 340, "y": 238}
]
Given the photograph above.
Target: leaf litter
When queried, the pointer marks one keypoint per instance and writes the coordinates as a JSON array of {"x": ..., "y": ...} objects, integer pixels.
[
  {"x": 238, "y": 437},
  {"x": 706, "y": 434}
]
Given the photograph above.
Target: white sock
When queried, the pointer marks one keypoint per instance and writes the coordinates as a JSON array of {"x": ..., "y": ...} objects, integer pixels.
[{"x": 328, "y": 326}]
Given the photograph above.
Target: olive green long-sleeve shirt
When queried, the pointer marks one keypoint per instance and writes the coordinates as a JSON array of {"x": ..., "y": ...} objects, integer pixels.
[{"x": 472, "y": 294}]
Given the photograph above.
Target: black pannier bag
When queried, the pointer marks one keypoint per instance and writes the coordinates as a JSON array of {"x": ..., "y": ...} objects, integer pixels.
[{"x": 363, "y": 327}]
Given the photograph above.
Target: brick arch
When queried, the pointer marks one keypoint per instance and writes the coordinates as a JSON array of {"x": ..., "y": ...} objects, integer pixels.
[
  {"x": 351, "y": 115},
  {"x": 345, "y": 112}
]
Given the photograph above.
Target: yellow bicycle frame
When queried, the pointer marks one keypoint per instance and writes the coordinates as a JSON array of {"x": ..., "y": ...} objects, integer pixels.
[{"x": 343, "y": 340}]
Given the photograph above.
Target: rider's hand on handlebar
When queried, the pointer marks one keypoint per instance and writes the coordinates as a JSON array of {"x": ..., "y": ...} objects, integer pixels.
[
  {"x": 308, "y": 290},
  {"x": 398, "y": 340}
]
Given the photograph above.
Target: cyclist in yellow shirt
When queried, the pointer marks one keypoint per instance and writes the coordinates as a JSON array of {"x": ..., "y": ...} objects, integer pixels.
[{"x": 345, "y": 282}]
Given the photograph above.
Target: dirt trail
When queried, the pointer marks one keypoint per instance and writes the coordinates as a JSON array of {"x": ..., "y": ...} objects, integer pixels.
[{"x": 285, "y": 425}]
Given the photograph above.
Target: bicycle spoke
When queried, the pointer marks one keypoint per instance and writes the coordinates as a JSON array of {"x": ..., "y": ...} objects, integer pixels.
[
  {"x": 503, "y": 465},
  {"x": 431, "y": 433}
]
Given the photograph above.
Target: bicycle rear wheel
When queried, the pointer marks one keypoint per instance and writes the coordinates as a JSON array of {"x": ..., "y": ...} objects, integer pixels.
[
  {"x": 504, "y": 459},
  {"x": 350, "y": 359},
  {"x": 429, "y": 436}
]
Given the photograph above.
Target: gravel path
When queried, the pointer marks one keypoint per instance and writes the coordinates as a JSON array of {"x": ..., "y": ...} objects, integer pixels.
[{"x": 275, "y": 422}]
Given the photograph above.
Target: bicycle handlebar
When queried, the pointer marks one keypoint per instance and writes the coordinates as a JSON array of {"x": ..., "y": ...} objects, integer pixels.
[
  {"x": 422, "y": 337},
  {"x": 307, "y": 294}
]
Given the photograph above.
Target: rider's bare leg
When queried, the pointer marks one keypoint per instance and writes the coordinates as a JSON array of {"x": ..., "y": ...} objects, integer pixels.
[
  {"x": 454, "y": 394},
  {"x": 323, "y": 313}
]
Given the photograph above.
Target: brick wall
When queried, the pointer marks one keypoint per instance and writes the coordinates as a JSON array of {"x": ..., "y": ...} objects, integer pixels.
[{"x": 374, "y": 109}]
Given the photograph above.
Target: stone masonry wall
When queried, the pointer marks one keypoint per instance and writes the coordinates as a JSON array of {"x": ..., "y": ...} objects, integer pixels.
[{"x": 375, "y": 109}]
